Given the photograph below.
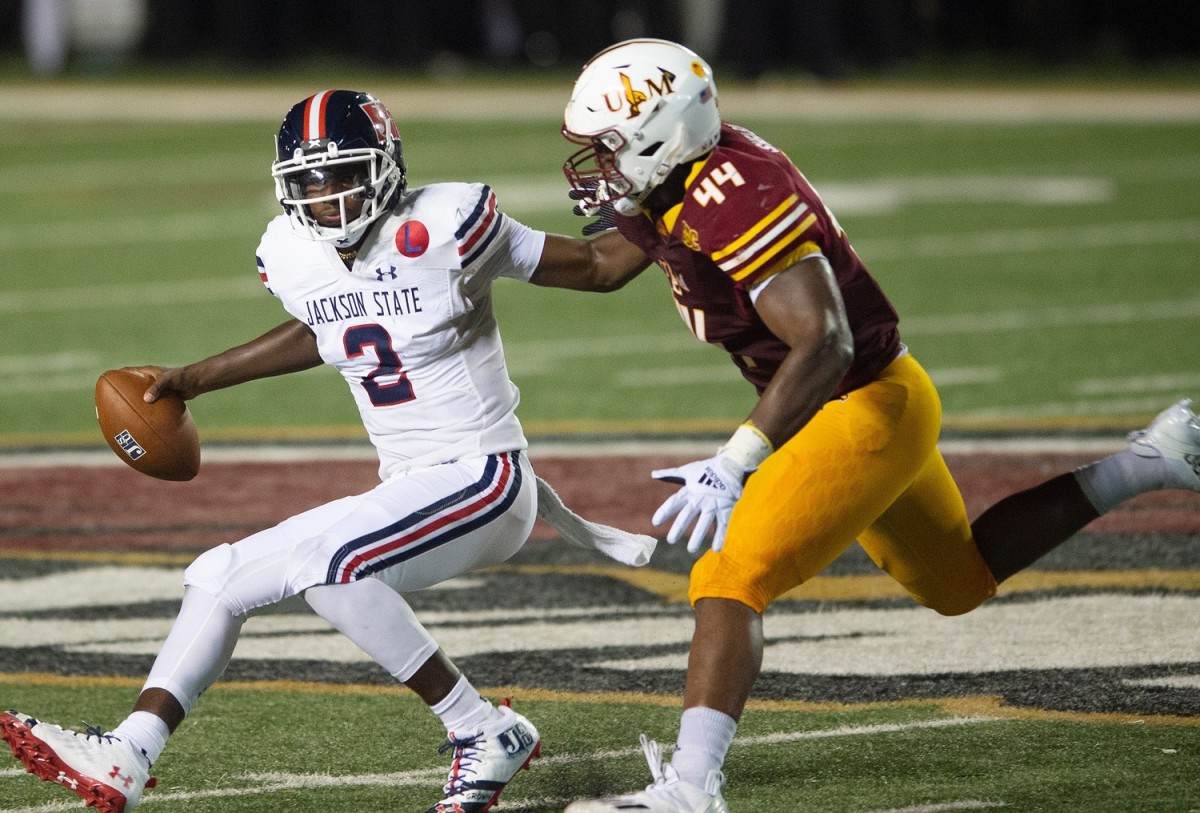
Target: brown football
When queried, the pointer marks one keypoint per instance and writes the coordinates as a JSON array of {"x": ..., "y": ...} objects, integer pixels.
[{"x": 158, "y": 439}]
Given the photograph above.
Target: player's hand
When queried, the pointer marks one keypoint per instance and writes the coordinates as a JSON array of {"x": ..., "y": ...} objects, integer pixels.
[
  {"x": 710, "y": 488},
  {"x": 587, "y": 206},
  {"x": 166, "y": 380}
]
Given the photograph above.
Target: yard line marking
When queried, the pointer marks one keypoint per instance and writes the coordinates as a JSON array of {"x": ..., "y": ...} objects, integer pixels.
[
  {"x": 143, "y": 230},
  {"x": 1011, "y": 241},
  {"x": 725, "y": 373},
  {"x": 1144, "y": 383},
  {"x": 280, "y": 781},
  {"x": 174, "y": 292},
  {"x": 47, "y": 362},
  {"x": 1041, "y": 318},
  {"x": 1167, "y": 682},
  {"x": 1112, "y": 406},
  {"x": 944, "y": 807}
]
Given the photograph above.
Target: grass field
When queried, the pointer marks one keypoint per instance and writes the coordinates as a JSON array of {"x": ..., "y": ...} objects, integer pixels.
[
  {"x": 348, "y": 749},
  {"x": 1043, "y": 267}
]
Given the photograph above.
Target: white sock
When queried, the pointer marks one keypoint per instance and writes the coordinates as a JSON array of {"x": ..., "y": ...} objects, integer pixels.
[
  {"x": 704, "y": 739},
  {"x": 464, "y": 710},
  {"x": 146, "y": 732},
  {"x": 1109, "y": 482}
]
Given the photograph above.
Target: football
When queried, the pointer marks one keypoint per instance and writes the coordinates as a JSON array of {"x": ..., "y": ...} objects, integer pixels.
[{"x": 157, "y": 439}]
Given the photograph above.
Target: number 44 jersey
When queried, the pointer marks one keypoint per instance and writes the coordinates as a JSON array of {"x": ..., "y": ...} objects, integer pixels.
[
  {"x": 410, "y": 325},
  {"x": 747, "y": 213}
]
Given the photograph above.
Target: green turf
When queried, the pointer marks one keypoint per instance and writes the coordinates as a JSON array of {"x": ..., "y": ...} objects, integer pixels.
[
  {"x": 133, "y": 243},
  {"x": 354, "y": 752}
]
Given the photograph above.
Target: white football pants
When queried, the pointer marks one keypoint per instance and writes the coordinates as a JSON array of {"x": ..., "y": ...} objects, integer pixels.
[{"x": 409, "y": 532}]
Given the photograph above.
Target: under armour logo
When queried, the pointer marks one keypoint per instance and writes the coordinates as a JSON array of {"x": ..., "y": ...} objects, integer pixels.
[
  {"x": 115, "y": 773},
  {"x": 63, "y": 779},
  {"x": 390, "y": 273}
]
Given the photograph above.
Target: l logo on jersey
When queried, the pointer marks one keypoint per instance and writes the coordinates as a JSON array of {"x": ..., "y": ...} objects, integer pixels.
[{"x": 412, "y": 238}]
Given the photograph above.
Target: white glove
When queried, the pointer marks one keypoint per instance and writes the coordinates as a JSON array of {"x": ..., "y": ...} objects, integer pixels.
[{"x": 710, "y": 488}]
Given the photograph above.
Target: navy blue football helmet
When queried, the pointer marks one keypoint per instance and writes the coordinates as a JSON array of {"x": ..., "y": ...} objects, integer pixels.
[{"x": 343, "y": 136}]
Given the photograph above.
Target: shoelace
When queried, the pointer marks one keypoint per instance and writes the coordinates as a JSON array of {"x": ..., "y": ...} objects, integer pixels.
[
  {"x": 653, "y": 751},
  {"x": 96, "y": 731},
  {"x": 464, "y": 755}
]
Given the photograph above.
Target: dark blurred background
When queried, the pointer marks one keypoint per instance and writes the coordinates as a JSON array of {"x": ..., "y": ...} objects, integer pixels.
[{"x": 826, "y": 39}]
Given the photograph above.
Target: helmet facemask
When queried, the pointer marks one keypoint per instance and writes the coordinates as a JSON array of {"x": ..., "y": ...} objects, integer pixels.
[
  {"x": 593, "y": 170},
  {"x": 375, "y": 178}
]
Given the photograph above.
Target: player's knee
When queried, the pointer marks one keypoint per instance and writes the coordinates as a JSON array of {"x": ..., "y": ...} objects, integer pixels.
[
  {"x": 958, "y": 602},
  {"x": 712, "y": 579},
  {"x": 210, "y": 572}
]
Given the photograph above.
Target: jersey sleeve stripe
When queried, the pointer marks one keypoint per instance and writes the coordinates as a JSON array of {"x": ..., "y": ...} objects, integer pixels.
[
  {"x": 767, "y": 246},
  {"x": 262, "y": 272},
  {"x": 775, "y": 214},
  {"x": 773, "y": 250},
  {"x": 806, "y": 249},
  {"x": 479, "y": 228}
]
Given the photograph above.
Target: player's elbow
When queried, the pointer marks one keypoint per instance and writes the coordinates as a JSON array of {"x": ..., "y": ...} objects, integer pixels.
[{"x": 836, "y": 348}]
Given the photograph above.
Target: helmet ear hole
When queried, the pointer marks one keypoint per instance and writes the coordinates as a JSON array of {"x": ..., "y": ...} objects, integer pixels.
[{"x": 649, "y": 151}]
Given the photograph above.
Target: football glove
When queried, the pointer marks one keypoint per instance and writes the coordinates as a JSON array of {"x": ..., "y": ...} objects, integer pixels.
[
  {"x": 710, "y": 488},
  {"x": 606, "y": 219}
]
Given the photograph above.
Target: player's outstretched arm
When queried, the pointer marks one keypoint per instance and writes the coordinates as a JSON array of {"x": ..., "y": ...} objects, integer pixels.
[
  {"x": 602, "y": 264},
  {"x": 288, "y": 348}
]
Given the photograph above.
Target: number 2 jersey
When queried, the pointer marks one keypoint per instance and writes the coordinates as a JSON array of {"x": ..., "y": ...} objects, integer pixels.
[
  {"x": 411, "y": 326},
  {"x": 747, "y": 213}
]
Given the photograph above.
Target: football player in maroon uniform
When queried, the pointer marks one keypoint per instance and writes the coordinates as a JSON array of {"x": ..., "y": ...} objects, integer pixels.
[{"x": 843, "y": 438}]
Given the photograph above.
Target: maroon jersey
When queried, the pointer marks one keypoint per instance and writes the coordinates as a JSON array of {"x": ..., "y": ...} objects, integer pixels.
[{"x": 747, "y": 213}]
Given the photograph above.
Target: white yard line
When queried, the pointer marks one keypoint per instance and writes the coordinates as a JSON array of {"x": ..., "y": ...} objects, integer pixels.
[{"x": 944, "y": 807}]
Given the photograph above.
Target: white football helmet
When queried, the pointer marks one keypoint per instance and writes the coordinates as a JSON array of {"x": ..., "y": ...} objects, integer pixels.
[{"x": 640, "y": 108}]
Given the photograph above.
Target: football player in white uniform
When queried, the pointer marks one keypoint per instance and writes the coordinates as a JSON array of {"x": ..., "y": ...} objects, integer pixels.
[{"x": 393, "y": 288}]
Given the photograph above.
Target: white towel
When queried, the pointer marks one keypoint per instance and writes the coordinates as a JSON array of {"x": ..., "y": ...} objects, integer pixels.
[{"x": 626, "y": 548}]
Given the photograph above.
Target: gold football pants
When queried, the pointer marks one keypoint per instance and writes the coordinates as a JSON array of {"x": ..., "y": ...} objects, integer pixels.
[{"x": 866, "y": 467}]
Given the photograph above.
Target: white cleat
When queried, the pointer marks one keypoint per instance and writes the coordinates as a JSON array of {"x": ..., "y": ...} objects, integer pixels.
[
  {"x": 668, "y": 794},
  {"x": 97, "y": 767},
  {"x": 1175, "y": 437},
  {"x": 486, "y": 761}
]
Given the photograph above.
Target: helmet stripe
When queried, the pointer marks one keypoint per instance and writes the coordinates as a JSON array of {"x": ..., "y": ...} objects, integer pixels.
[{"x": 314, "y": 116}]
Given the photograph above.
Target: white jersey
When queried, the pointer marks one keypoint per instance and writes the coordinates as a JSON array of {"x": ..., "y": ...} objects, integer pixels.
[{"x": 411, "y": 326}]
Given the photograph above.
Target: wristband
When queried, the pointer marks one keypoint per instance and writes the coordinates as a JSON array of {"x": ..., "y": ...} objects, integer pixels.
[{"x": 748, "y": 447}]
